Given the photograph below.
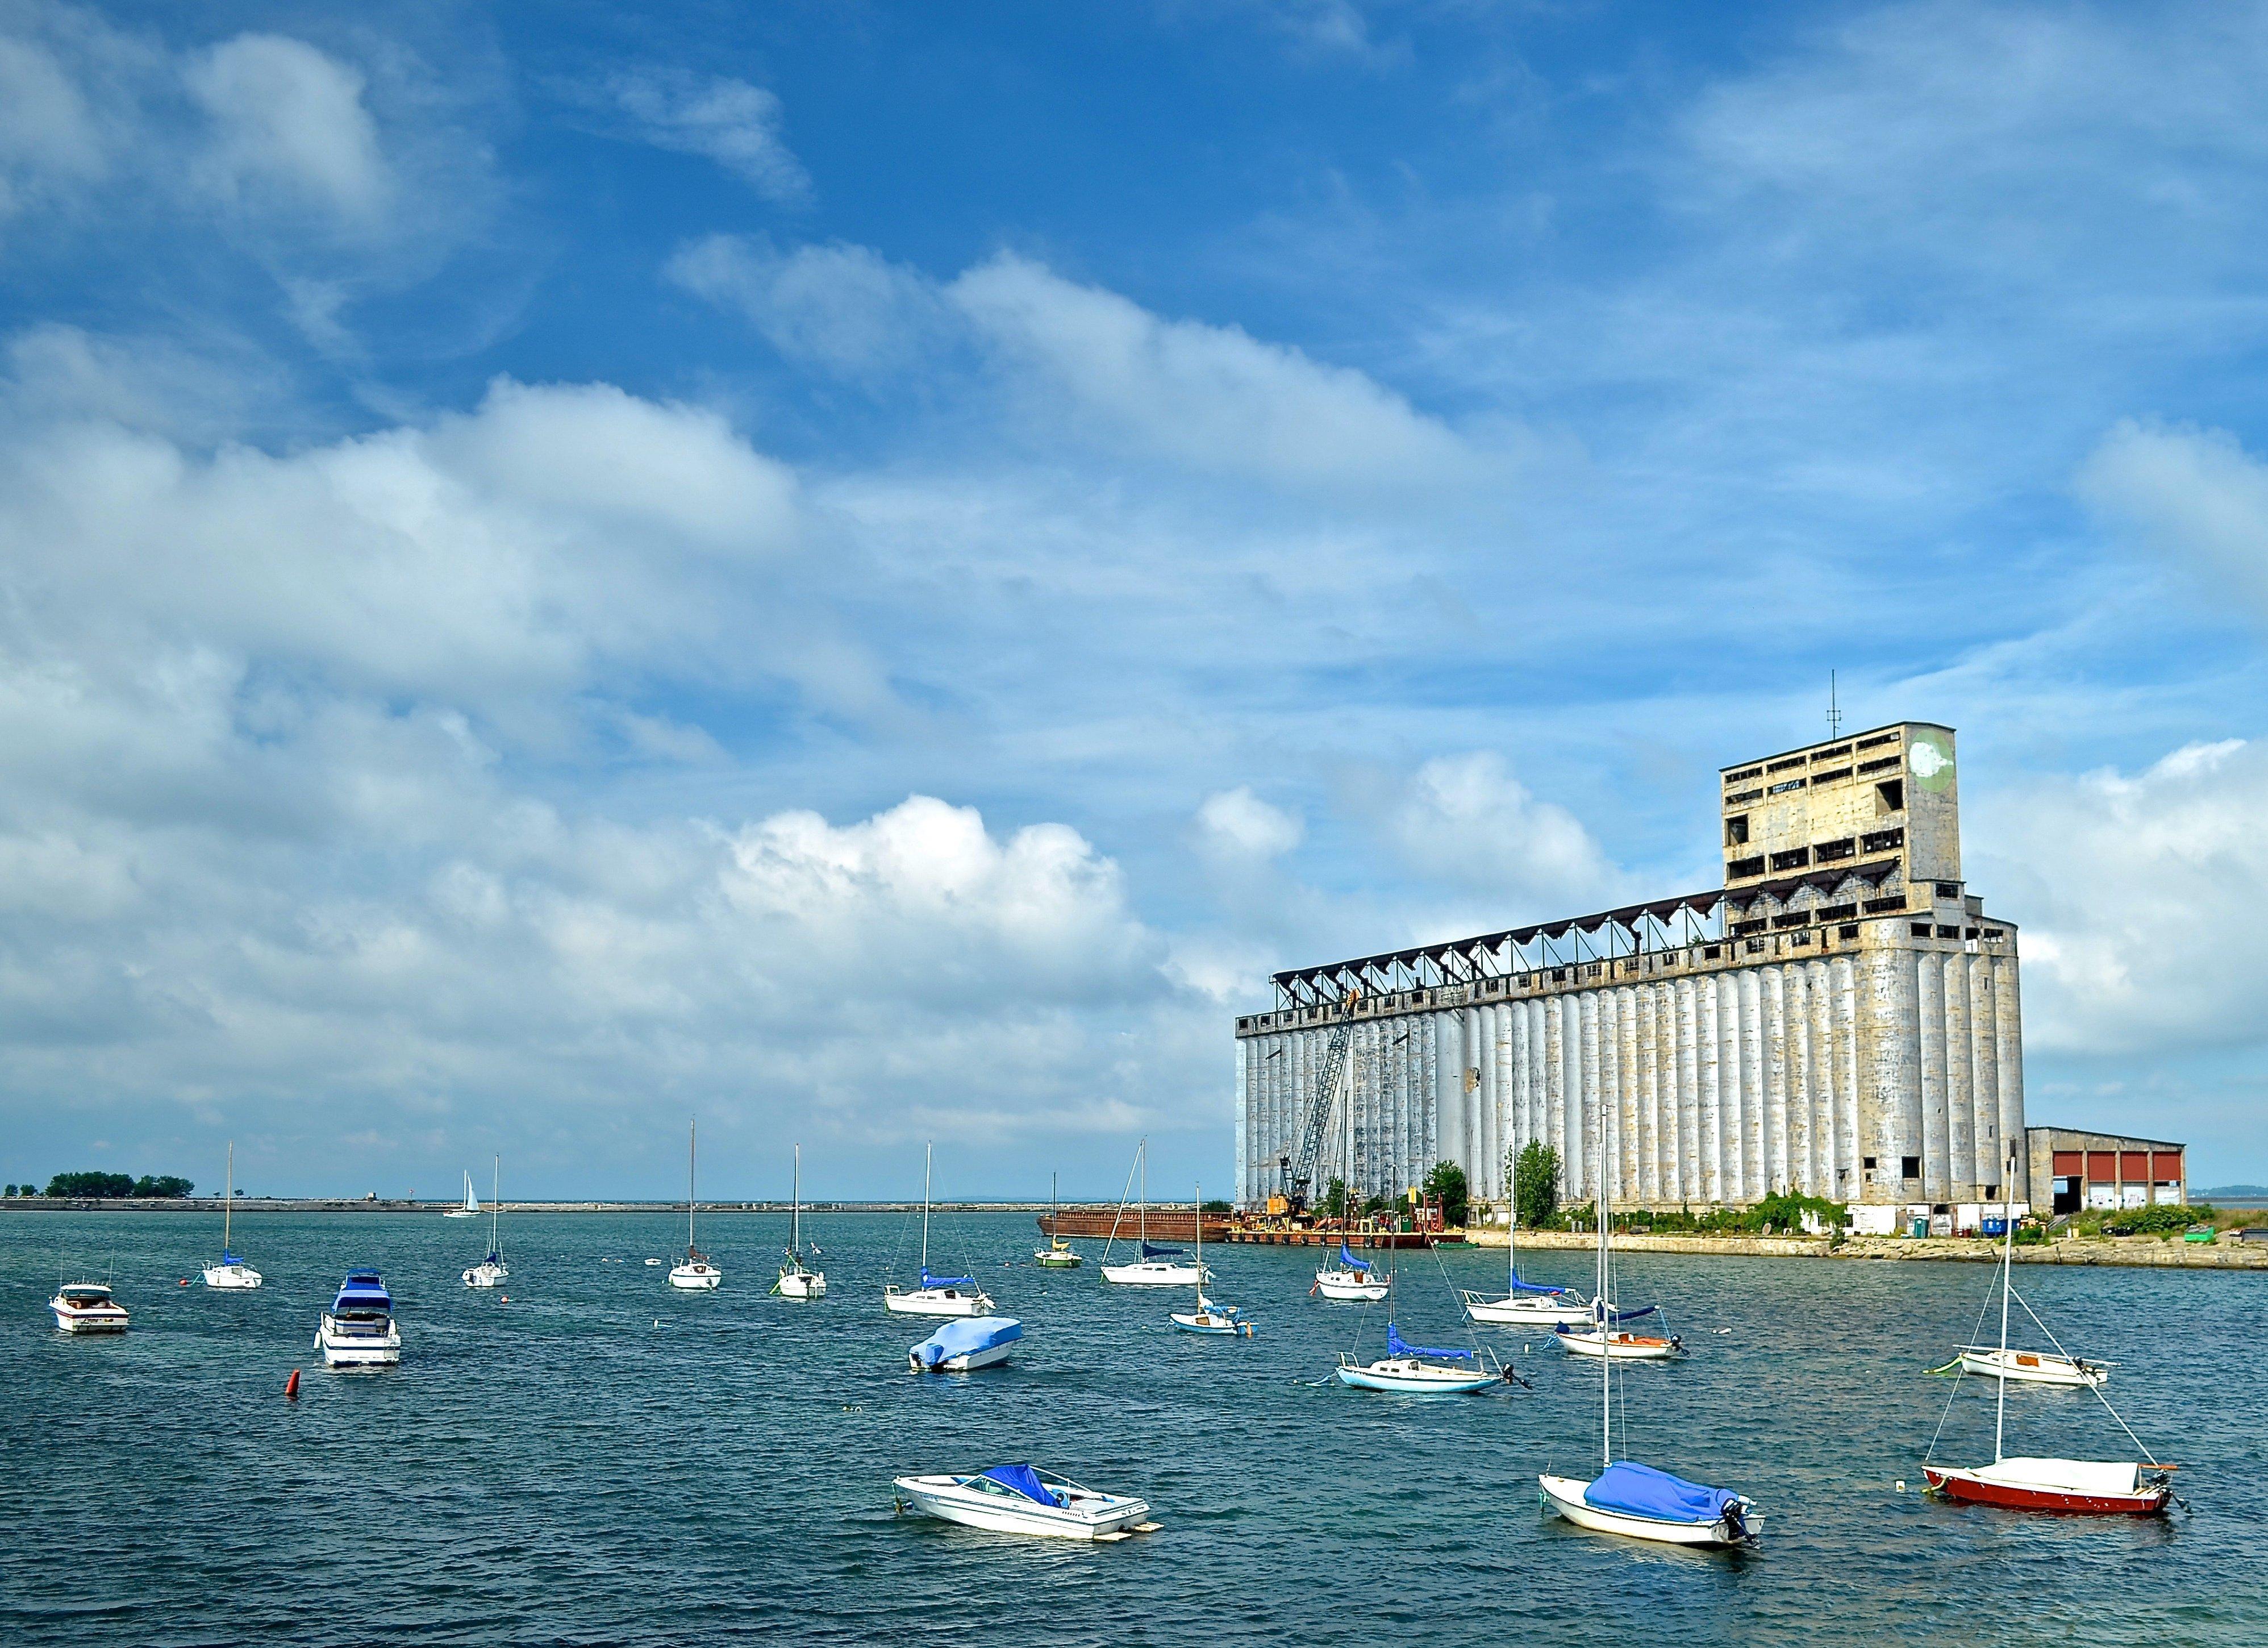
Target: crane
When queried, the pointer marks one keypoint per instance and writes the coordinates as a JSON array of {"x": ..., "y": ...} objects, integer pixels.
[{"x": 1299, "y": 1172}]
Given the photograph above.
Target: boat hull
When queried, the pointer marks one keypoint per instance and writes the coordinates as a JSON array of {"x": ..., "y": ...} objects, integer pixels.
[
  {"x": 2032, "y": 1367},
  {"x": 1972, "y": 1488},
  {"x": 935, "y": 1301},
  {"x": 800, "y": 1284},
  {"x": 344, "y": 1348},
  {"x": 1564, "y": 1495},
  {"x": 111, "y": 1319},
  {"x": 695, "y": 1278},
  {"x": 1047, "y": 1260},
  {"x": 1090, "y": 1516},
  {"x": 990, "y": 1356},
  {"x": 1407, "y": 1376},
  {"x": 1335, "y": 1285},
  {"x": 1220, "y": 1327},
  {"x": 1163, "y": 1224},
  {"x": 1528, "y": 1311},
  {"x": 1152, "y": 1274},
  {"x": 236, "y": 1277},
  {"x": 486, "y": 1276},
  {"x": 1621, "y": 1346}
]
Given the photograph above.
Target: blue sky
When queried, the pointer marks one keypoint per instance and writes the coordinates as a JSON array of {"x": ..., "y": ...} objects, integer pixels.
[{"x": 867, "y": 572}]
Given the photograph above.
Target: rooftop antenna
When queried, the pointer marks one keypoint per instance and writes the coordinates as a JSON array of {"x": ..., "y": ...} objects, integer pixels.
[{"x": 1834, "y": 715}]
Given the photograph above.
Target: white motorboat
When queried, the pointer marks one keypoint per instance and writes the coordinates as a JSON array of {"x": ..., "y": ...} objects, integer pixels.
[
  {"x": 359, "y": 1331},
  {"x": 1527, "y": 1304},
  {"x": 2037, "y": 1367},
  {"x": 1058, "y": 1254},
  {"x": 938, "y": 1295},
  {"x": 1636, "y": 1501},
  {"x": 491, "y": 1271},
  {"x": 1222, "y": 1320},
  {"x": 1350, "y": 1278},
  {"x": 797, "y": 1280},
  {"x": 964, "y": 1347},
  {"x": 698, "y": 1274},
  {"x": 1418, "y": 1370},
  {"x": 471, "y": 1209},
  {"x": 87, "y": 1307},
  {"x": 1158, "y": 1266},
  {"x": 231, "y": 1272},
  {"x": 1019, "y": 1499}
]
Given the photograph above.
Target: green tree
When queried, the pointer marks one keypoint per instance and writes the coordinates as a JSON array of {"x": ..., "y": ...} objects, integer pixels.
[
  {"x": 91, "y": 1184},
  {"x": 165, "y": 1185},
  {"x": 1534, "y": 1174},
  {"x": 1446, "y": 1183},
  {"x": 1335, "y": 1200}
]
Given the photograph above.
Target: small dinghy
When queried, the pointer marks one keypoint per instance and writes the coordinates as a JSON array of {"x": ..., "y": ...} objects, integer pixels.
[
  {"x": 1021, "y": 1500},
  {"x": 964, "y": 1347},
  {"x": 1350, "y": 1278},
  {"x": 2038, "y": 1367},
  {"x": 1642, "y": 1503},
  {"x": 87, "y": 1307},
  {"x": 1418, "y": 1370}
]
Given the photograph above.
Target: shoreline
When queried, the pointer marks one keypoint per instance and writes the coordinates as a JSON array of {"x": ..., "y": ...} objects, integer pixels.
[{"x": 2138, "y": 1252}]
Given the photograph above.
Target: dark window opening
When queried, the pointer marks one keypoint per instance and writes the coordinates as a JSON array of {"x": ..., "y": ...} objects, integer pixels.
[
  {"x": 1919, "y": 929},
  {"x": 1740, "y": 867},
  {"x": 1783, "y": 786},
  {"x": 1754, "y": 946},
  {"x": 1879, "y": 764},
  {"x": 1891, "y": 796},
  {"x": 1879, "y": 738},
  {"x": 1782, "y": 766},
  {"x": 1738, "y": 796},
  {"x": 1741, "y": 930},
  {"x": 1794, "y": 918},
  {"x": 1794, "y": 858},
  {"x": 1830, "y": 777},
  {"x": 1710, "y": 952},
  {"x": 1879, "y": 906},
  {"x": 1829, "y": 755},
  {"x": 1948, "y": 890},
  {"x": 1994, "y": 932},
  {"x": 1868, "y": 1163},
  {"x": 1949, "y": 932},
  {"x": 1883, "y": 841},
  {"x": 1736, "y": 829},
  {"x": 1910, "y": 1167},
  {"x": 1991, "y": 1193},
  {"x": 1848, "y": 930},
  {"x": 1800, "y": 938},
  {"x": 1836, "y": 911},
  {"x": 1828, "y": 851},
  {"x": 1745, "y": 772}
]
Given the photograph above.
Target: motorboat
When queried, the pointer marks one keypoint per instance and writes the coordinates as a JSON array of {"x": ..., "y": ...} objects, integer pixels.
[
  {"x": 1350, "y": 1278},
  {"x": 1527, "y": 1304},
  {"x": 1058, "y": 1254},
  {"x": 964, "y": 1347},
  {"x": 471, "y": 1207},
  {"x": 491, "y": 1271},
  {"x": 1021, "y": 1500},
  {"x": 797, "y": 1280},
  {"x": 938, "y": 1295},
  {"x": 1633, "y": 1500},
  {"x": 2086, "y": 1487},
  {"x": 1642, "y": 1503},
  {"x": 87, "y": 1307},
  {"x": 232, "y": 1273},
  {"x": 1157, "y": 1267},
  {"x": 359, "y": 1331},
  {"x": 2028, "y": 1482},
  {"x": 1222, "y": 1320},
  {"x": 2038, "y": 1367},
  {"x": 1418, "y": 1370},
  {"x": 698, "y": 1274}
]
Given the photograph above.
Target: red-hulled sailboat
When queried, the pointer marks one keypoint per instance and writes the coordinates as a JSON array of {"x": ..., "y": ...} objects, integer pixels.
[{"x": 2083, "y": 1487}]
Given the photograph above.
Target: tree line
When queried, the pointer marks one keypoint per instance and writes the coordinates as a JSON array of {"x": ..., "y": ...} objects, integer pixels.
[{"x": 106, "y": 1187}]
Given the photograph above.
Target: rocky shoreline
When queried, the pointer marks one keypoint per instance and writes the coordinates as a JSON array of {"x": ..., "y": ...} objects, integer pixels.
[{"x": 2227, "y": 1252}]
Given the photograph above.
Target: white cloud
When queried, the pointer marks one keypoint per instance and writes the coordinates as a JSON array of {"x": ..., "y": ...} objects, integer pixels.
[
  {"x": 844, "y": 308},
  {"x": 2195, "y": 495},
  {"x": 1237, "y": 825},
  {"x": 48, "y": 134},
  {"x": 730, "y": 122},
  {"x": 288, "y": 120},
  {"x": 1466, "y": 820}
]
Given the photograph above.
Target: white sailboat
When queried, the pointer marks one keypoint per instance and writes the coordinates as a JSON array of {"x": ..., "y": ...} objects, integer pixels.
[
  {"x": 1058, "y": 1254},
  {"x": 471, "y": 1209},
  {"x": 1158, "y": 1266},
  {"x": 1350, "y": 1279},
  {"x": 1626, "y": 1497},
  {"x": 1525, "y": 1304},
  {"x": 797, "y": 1280},
  {"x": 1209, "y": 1318},
  {"x": 492, "y": 1270},
  {"x": 231, "y": 1272},
  {"x": 938, "y": 1295},
  {"x": 1420, "y": 1369},
  {"x": 696, "y": 1275}
]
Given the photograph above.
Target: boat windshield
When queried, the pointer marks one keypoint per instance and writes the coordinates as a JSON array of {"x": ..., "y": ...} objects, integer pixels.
[{"x": 1020, "y": 1479}]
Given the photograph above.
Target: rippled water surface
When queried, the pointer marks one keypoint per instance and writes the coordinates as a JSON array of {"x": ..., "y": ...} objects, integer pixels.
[{"x": 600, "y": 1459}]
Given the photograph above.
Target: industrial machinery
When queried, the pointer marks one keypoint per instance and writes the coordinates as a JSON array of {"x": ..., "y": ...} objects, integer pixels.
[{"x": 1298, "y": 1172}]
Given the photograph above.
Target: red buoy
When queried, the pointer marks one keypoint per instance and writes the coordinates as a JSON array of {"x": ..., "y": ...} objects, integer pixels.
[{"x": 292, "y": 1386}]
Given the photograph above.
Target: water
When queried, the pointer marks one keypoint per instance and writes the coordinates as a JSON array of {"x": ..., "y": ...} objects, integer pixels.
[{"x": 603, "y": 1461}]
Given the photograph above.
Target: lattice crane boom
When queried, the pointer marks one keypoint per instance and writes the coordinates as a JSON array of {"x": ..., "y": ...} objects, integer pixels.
[{"x": 1299, "y": 1168}]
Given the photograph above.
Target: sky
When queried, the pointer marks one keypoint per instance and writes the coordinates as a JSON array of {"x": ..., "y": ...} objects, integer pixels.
[{"x": 865, "y": 573}]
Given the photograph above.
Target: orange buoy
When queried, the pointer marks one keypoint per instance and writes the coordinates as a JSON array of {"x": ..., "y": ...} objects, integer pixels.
[
  {"x": 185, "y": 1282},
  {"x": 292, "y": 1386},
  {"x": 503, "y": 1298}
]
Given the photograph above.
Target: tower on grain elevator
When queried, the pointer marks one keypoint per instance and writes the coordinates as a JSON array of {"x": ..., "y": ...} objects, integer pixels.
[{"x": 1839, "y": 1018}]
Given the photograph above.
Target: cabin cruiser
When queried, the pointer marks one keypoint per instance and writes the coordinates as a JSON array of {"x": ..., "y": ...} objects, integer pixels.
[
  {"x": 87, "y": 1307},
  {"x": 359, "y": 1331},
  {"x": 964, "y": 1347},
  {"x": 1020, "y": 1499}
]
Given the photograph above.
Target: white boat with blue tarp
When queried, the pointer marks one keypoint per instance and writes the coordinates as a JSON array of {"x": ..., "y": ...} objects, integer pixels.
[
  {"x": 1023, "y": 1499},
  {"x": 1418, "y": 1370},
  {"x": 1224, "y": 1321},
  {"x": 1637, "y": 1500},
  {"x": 231, "y": 1273},
  {"x": 1158, "y": 1266},
  {"x": 359, "y": 1331},
  {"x": 1350, "y": 1278},
  {"x": 1527, "y": 1304},
  {"x": 938, "y": 1295},
  {"x": 964, "y": 1347}
]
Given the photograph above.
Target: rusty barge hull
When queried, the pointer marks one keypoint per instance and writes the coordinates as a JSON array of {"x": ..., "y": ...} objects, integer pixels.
[
  {"x": 1164, "y": 1225},
  {"x": 1356, "y": 1240}
]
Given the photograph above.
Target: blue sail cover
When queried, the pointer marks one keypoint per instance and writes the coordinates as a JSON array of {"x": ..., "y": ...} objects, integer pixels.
[
  {"x": 1640, "y": 1490},
  {"x": 227, "y": 1258},
  {"x": 1395, "y": 1347},
  {"x": 1351, "y": 1261},
  {"x": 966, "y": 1336},
  {"x": 1151, "y": 1251},
  {"x": 1519, "y": 1286},
  {"x": 1599, "y": 1310},
  {"x": 929, "y": 1281},
  {"x": 1025, "y": 1481}
]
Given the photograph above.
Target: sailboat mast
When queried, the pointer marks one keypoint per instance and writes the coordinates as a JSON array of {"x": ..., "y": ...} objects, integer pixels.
[
  {"x": 1200, "y": 1219},
  {"x": 496, "y": 1196},
  {"x": 2007, "y": 1267},
  {"x": 1142, "y": 1209},
  {"x": 692, "y": 1137},
  {"x": 1602, "y": 1310},
  {"x": 228, "y": 1197},
  {"x": 929, "y": 1152},
  {"x": 795, "y": 1219}
]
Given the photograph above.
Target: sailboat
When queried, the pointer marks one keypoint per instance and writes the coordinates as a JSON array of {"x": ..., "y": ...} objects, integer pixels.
[
  {"x": 1209, "y": 1318},
  {"x": 492, "y": 1270},
  {"x": 472, "y": 1207},
  {"x": 797, "y": 1280},
  {"x": 1157, "y": 1267},
  {"x": 938, "y": 1295},
  {"x": 696, "y": 1274},
  {"x": 1626, "y": 1497},
  {"x": 1350, "y": 1278},
  {"x": 1525, "y": 1304},
  {"x": 2088, "y": 1487},
  {"x": 231, "y": 1272},
  {"x": 1058, "y": 1254}
]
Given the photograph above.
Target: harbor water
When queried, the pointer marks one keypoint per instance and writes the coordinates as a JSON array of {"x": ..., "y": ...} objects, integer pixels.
[{"x": 591, "y": 1458}]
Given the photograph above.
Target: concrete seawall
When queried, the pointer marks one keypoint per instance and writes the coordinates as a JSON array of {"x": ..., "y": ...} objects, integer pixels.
[{"x": 2225, "y": 1254}]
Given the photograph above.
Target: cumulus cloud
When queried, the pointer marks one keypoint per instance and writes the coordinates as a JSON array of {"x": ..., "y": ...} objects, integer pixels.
[
  {"x": 49, "y": 135},
  {"x": 1466, "y": 820},
  {"x": 2195, "y": 495},
  {"x": 843, "y": 307},
  {"x": 730, "y": 122},
  {"x": 288, "y": 119},
  {"x": 1238, "y": 826}
]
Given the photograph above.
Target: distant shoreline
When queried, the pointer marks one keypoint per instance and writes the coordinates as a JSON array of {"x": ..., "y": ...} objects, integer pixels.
[{"x": 334, "y": 1204}]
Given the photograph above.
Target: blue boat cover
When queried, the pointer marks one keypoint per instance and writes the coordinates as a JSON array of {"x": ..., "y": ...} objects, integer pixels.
[
  {"x": 929, "y": 1281},
  {"x": 1598, "y": 1310},
  {"x": 1518, "y": 1286},
  {"x": 967, "y": 1335},
  {"x": 1640, "y": 1490},
  {"x": 1150, "y": 1252},
  {"x": 1395, "y": 1347},
  {"x": 227, "y": 1258},
  {"x": 1025, "y": 1481},
  {"x": 362, "y": 1290},
  {"x": 1349, "y": 1261}
]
